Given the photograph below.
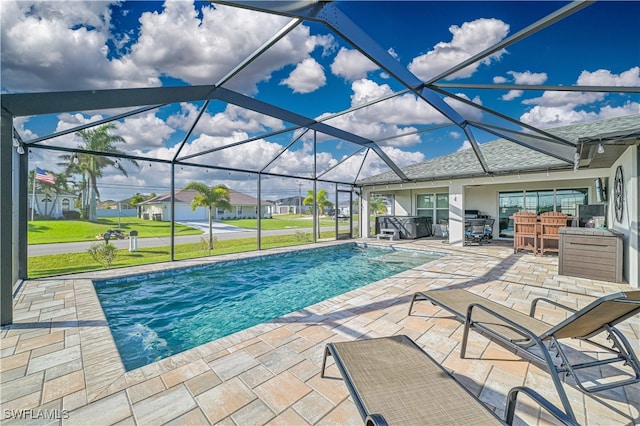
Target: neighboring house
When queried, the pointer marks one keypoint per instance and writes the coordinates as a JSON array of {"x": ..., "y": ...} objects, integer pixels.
[
  {"x": 291, "y": 205},
  {"x": 444, "y": 188},
  {"x": 243, "y": 206},
  {"x": 51, "y": 204}
]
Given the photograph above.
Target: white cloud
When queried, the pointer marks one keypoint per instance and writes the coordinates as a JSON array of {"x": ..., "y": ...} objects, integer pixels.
[
  {"x": 561, "y": 108},
  {"x": 468, "y": 39},
  {"x": 465, "y": 145},
  {"x": 511, "y": 95},
  {"x": 231, "y": 120},
  {"x": 144, "y": 131},
  {"x": 307, "y": 77},
  {"x": 602, "y": 77},
  {"x": 395, "y": 116},
  {"x": 53, "y": 46},
  {"x": 548, "y": 117},
  {"x": 352, "y": 65},
  {"x": 528, "y": 77}
]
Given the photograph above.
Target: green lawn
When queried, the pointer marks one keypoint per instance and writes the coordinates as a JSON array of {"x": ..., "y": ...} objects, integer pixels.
[
  {"x": 66, "y": 263},
  {"x": 67, "y": 231},
  {"x": 279, "y": 222}
]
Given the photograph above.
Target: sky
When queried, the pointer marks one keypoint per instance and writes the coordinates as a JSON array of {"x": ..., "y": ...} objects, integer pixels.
[{"x": 79, "y": 45}]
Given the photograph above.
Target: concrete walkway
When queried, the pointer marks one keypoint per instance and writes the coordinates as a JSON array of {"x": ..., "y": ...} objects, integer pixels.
[{"x": 60, "y": 365}]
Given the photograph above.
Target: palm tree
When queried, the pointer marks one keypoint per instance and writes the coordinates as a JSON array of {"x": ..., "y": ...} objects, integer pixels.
[
  {"x": 321, "y": 201},
  {"x": 212, "y": 197},
  {"x": 377, "y": 206},
  {"x": 90, "y": 166}
]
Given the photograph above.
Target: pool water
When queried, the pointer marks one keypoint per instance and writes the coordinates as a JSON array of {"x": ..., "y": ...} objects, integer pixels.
[{"x": 156, "y": 316}]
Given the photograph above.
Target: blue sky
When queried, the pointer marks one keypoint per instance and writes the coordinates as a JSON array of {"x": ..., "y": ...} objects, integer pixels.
[{"x": 59, "y": 46}]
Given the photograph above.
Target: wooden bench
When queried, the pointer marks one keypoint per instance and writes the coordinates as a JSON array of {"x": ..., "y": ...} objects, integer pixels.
[{"x": 391, "y": 234}]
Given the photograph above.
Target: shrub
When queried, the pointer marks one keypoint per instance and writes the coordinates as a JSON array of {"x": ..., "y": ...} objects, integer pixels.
[
  {"x": 104, "y": 254},
  {"x": 303, "y": 237},
  {"x": 71, "y": 215}
]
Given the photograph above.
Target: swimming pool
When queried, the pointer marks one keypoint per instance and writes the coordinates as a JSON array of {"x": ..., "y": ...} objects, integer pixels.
[{"x": 155, "y": 316}]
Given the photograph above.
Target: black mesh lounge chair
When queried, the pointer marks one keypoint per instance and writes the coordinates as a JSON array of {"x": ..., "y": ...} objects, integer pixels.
[
  {"x": 393, "y": 381},
  {"x": 521, "y": 331}
]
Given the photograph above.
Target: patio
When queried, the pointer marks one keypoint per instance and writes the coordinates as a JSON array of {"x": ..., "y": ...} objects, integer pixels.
[{"x": 61, "y": 366}]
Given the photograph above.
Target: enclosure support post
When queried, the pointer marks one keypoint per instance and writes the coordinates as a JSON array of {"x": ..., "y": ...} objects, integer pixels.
[
  {"x": 259, "y": 211},
  {"x": 8, "y": 271},
  {"x": 172, "y": 240}
]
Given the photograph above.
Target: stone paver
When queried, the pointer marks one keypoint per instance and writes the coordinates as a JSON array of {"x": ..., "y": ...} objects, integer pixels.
[{"x": 59, "y": 359}]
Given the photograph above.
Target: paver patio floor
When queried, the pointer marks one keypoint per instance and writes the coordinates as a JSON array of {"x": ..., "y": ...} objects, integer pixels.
[{"x": 59, "y": 363}]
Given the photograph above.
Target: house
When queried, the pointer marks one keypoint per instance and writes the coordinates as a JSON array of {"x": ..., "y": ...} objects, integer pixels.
[
  {"x": 243, "y": 206},
  {"x": 444, "y": 188},
  {"x": 51, "y": 204},
  {"x": 291, "y": 205}
]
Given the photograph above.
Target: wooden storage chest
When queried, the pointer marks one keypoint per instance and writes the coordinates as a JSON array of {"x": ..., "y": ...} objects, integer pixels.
[{"x": 591, "y": 253}]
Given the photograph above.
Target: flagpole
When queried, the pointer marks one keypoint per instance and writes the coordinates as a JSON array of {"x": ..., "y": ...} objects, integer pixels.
[{"x": 33, "y": 197}]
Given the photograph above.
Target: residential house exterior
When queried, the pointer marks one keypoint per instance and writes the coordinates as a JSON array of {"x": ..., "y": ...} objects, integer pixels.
[
  {"x": 243, "y": 206},
  {"x": 51, "y": 204},
  {"x": 291, "y": 205},
  {"x": 446, "y": 187}
]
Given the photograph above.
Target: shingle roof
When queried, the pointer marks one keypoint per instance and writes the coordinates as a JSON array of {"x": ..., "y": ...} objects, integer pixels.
[{"x": 503, "y": 156}]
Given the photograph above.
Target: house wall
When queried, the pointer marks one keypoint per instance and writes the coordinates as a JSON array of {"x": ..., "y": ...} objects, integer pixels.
[{"x": 630, "y": 162}]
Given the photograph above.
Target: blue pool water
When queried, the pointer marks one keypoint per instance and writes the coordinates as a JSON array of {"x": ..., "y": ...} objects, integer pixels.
[{"x": 155, "y": 316}]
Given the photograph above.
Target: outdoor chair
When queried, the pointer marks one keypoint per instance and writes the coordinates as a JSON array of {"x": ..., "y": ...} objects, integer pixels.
[
  {"x": 525, "y": 235},
  {"x": 393, "y": 381},
  {"x": 550, "y": 223},
  {"x": 474, "y": 232},
  {"x": 527, "y": 334},
  {"x": 444, "y": 230}
]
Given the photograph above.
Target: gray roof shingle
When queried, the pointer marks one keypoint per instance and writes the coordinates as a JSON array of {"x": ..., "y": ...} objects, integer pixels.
[{"x": 503, "y": 156}]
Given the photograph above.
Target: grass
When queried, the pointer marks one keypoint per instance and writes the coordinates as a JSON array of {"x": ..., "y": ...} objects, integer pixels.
[
  {"x": 280, "y": 222},
  {"x": 67, "y": 231},
  {"x": 67, "y": 263}
]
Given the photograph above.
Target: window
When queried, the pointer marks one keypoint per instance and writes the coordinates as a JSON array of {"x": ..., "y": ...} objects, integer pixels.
[
  {"x": 65, "y": 204},
  {"x": 433, "y": 206},
  {"x": 559, "y": 200}
]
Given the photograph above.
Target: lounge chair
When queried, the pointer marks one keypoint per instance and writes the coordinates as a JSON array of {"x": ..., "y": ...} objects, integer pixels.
[
  {"x": 393, "y": 381},
  {"x": 524, "y": 332}
]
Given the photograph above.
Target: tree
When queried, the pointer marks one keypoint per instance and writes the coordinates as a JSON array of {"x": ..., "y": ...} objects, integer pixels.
[
  {"x": 90, "y": 166},
  {"x": 212, "y": 197},
  {"x": 61, "y": 183},
  {"x": 377, "y": 206},
  {"x": 321, "y": 201}
]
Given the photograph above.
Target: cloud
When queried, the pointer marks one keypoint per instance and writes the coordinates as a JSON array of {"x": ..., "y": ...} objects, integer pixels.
[
  {"x": 307, "y": 77},
  {"x": 352, "y": 65},
  {"x": 465, "y": 145},
  {"x": 231, "y": 120},
  {"x": 526, "y": 78},
  {"x": 603, "y": 77},
  {"x": 468, "y": 39},
  {"x": 53, "y": 46},
  {"x": 392, "y": 117},
  {"x": 555, "y": 116}
]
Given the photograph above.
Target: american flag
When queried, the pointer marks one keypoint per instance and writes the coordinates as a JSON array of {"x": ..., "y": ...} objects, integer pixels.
[{"x": 45, "y": 176}]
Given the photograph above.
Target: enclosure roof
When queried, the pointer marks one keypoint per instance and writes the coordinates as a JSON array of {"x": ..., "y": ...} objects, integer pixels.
[{"x": 229, "y": 122}]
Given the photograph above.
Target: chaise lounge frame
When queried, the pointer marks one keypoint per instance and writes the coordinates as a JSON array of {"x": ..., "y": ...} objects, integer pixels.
[
  {"x": 527, "y": 333},
  {"x": 393, "y": 381}
]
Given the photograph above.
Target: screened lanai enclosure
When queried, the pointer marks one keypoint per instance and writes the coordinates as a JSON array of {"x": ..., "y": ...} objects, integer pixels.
[{"x": 292, "y": 105}]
